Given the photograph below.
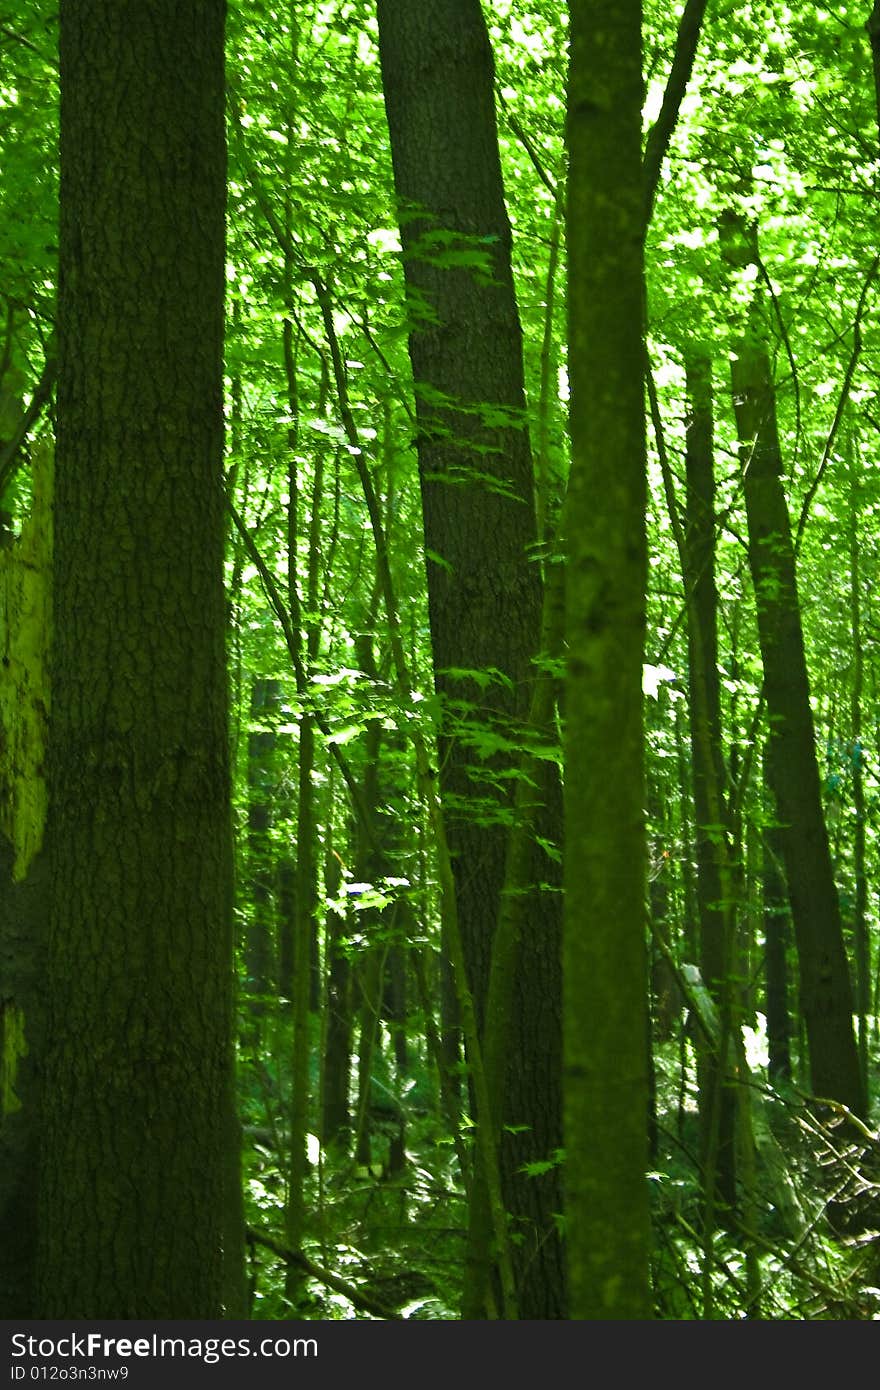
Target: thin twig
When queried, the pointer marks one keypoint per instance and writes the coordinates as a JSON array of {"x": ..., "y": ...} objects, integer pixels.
[{"x": 841, "y": 404}]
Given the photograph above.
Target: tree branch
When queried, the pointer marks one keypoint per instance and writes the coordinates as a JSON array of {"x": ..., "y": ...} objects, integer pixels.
[
  {"x": 324, "y": 1276},
  {"x": 841, "y": 404},
  {"x": 293, "y": 647},
  {"x": 10, "y": 459},
  {"x": 661, "y": 131}
]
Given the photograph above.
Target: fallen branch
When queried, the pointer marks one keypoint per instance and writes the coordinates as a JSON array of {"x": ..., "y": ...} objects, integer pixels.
[{"x": 324, "y": 1276}]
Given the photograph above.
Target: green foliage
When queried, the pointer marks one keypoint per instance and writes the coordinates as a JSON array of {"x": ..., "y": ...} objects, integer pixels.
[{"x": 778, "y": 131}]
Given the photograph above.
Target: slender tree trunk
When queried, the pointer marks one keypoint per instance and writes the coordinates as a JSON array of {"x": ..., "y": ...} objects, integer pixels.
[
  {"x": 717, "y": 1098},
  {"x": 688, "y": 877},
  {"x": 369, "y": 977},
  {"x": 747, "y": 935},
  {"x": 549, "y": 480},
  {"x": 285, "y": 904},
  {"x": 138, "y": 1066},
  {"x": 825, "y": 991},
  {"x": 396, "y": 1014},
  {"x": 776, "y": 932},
  {"x": 260, "y": 956},
  {"x": 860, "y": 910},
  {"x": 605, "y": 1077},
  {"x": 304, "y": 921},
  {"x": 25, "y": 632},
  {"x": 335, "y": 1115},
  {"x": 450, "y": 1022},
  {"x": 661, "y": 989},
  {"x": 370, "y": 965},
  {"x": 873, "y": 27}
]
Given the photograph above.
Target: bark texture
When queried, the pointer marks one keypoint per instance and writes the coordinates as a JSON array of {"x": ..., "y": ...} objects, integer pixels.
[
  {"x": 484, "y": 590},
  {"x": 791, "y": 767},
  {"x": 606, "y": 1070},
  {"x": 139, "y": 1039}
]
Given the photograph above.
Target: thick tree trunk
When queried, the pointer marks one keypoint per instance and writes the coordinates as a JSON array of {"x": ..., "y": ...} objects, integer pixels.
[
  {"x": 826, "y": 994},
  {"x": 606, "y": 1085},
  {"x": 138, "y": 1065},
  {"x": 484, "y": 591}
]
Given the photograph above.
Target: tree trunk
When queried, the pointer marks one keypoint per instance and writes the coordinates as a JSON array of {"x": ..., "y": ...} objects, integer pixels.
[
  {"x": 857, "y": 754},
  {"x": 335, "y": 1082},
  {"x": 717, "y": 1098},
  {"x": 396, "y": 1014},
  {"x": 792, "y": 770},
  {"x": 690, "y": 943},
  {"x": 606, "y": 1088},
  {"x": 873, "y": 27},
  {"x": 484, "y": 592},
  {"x": 25, "y": 628},
  {"x": 260, "y": 956},
  {"x": 776, "y": 931},
  {"x": 138, "y": 1065},
  {"x": 369, "y": 968}
]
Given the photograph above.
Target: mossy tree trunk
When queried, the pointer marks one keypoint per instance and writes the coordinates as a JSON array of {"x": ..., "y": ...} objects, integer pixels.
[
  {"x": 606, "y": 1071},
  {"x": 138, "y": 1063},
  {"x": 25, "y": 632}
]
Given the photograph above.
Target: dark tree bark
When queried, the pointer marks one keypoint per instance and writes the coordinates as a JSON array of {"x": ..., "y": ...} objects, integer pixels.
[
  {"x": 792, "y": 770},
  {"x": 465, "y": 346},
  {"x": 22, "y": 950},
  {"x": 138, "y": 1064},
  {"x": 606, "y": 1072},
  {"x": 484, "y": 592}
]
